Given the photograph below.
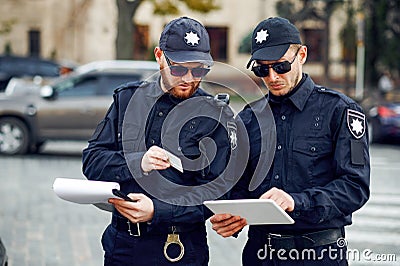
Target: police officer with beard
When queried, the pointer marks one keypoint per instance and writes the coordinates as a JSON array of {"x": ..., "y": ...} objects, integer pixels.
[
  {"x": 320, "y": 172},
  {"x": 150, "y": 129}
]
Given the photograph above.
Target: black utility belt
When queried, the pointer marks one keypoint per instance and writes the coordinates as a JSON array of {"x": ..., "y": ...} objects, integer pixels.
[
  {"x": 141, "y": 229},
  {"x": 301, "y": 241}
]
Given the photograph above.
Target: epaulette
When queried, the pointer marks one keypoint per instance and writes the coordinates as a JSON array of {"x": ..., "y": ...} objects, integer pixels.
[
  {"x": 326, "y": 90},
  {"x": 130, "y": 85},
  {"x": 342, "y": 96}
]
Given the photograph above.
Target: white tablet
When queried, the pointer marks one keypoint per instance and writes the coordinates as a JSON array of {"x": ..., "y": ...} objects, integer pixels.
[{"x": 256, "y": 211}]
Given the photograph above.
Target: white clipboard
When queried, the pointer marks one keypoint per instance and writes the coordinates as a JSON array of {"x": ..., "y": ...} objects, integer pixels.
[{"x": 255, "y": 211}]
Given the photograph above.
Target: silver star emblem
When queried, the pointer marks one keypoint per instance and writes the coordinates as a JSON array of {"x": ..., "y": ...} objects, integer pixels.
[
  {"x": 356, "y": 126},
  {"x": 261, "y": 36},
  {"x": 191, "y": 38}
]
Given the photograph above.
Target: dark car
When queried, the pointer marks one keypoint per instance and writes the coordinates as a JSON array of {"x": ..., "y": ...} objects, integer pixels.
[
  {"x": 384, "y": 122},
  {"x": 18, "y": 66},
  {"x": 3, "y": 255},
  {"x": 68, "y": 109}
]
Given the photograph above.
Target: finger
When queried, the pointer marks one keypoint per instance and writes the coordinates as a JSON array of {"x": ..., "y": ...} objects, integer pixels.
[
  {"x": 157, "y": 163},
  {"x": 158, "y": 152},
  {"x": 228, "y": 224},
  {"x": 220, "y": 217},
  {"x": 136, "y": 196},
  {"x": 232, "y": 228}
]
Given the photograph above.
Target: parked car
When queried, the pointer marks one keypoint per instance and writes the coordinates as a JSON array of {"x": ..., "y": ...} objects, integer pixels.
[
  {"x": 68, "y": 109},
  {"x": 384, "y": 122},
  {"x": 18, "y": 66},
  {"x": 3, "y": 255}
]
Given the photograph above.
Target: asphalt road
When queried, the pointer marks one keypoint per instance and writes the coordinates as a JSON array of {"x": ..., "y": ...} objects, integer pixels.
[{"x": 40, "y": 229}]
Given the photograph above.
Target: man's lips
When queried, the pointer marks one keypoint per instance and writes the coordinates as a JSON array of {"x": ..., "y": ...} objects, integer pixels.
[
  {"x": 276, "y": 86},
  {"x": 184, "y": 86}
]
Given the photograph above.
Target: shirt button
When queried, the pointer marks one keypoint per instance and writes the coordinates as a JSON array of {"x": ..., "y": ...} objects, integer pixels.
[
  {"x": 276, "y": 177},
  {"x": 313, "y": 149},
  {"x": 193, "y": 122},
  {"x": 191, "y": 127},
  {"x": 317, "y": 118},
  {"x": 283, "y": 117},
  {"x": 160, "y": 114},
  {"x": 316, "y": 124},
  {"x": 152, "y": 141},
  {"x": 279, "y": 147}
]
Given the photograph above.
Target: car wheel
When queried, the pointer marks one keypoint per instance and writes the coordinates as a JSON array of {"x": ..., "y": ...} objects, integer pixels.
[{"x": 14, "y": 136}]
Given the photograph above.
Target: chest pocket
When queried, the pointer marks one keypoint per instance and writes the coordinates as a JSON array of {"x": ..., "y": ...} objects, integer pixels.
[
  {"x": 132, "y": 133},
  {"x": 311, "y": 163}
]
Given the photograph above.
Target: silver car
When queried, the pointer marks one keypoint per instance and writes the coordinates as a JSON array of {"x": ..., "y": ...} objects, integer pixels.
[{"x": 67, "y": 109}]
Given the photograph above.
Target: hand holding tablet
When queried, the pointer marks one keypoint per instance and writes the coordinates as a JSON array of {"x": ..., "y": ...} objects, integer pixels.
[{"x": 255, "y": 211}]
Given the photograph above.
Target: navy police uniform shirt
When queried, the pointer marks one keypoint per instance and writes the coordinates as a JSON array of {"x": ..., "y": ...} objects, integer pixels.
[
  {"x": 113, "y": 156},
  {"x": 321, "y": 157}
]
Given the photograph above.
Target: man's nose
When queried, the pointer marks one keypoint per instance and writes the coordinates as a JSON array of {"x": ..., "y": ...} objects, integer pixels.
[
  {"x": 188, "y": 77},
  {"x": 272, "y": 75}
]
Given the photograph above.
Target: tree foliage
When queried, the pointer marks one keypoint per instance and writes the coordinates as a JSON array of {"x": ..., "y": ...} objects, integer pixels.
[
  {"x": 317, "y": 10},
  {"x": 382, "y": 39},
  {"x": 128, "y": 8}
]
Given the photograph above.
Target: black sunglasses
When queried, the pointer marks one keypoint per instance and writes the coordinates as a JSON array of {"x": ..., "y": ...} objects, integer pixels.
[
  {"x": 262, "y": 70},
  {"x": 180, "y": 71}
]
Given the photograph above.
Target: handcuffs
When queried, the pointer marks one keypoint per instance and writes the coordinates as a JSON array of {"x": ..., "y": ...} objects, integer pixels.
[{"x": 173, "y": 239}]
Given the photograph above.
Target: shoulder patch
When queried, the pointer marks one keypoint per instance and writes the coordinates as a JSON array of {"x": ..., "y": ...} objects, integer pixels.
[
  {"x": 232, "y": 132},
  {"x": 356, "y": 123}
]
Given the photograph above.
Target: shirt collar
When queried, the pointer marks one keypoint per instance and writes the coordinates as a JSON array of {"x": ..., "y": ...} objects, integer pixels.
[{"x": 301, "y": 93}]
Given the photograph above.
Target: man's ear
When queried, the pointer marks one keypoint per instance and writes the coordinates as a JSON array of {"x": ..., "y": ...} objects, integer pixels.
[
  {"x": 158, "y": 54},
  {"x": 303, "y": 54}
]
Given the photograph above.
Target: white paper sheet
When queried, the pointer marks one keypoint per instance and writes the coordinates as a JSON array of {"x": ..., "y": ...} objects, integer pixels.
[{"x": 84, "y": 191}]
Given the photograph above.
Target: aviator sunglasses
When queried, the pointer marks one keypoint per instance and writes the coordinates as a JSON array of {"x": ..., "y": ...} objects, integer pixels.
[
  {"x": 180, "y": 71},
  {"x": 262, "y": 70}
]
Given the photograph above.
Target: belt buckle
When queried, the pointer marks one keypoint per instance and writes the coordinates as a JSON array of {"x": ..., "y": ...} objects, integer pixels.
[
  {"x": 270, "y": 236},
  {"x": 130, "y": 231}
]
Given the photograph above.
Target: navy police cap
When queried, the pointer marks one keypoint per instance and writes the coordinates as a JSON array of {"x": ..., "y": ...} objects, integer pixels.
[
  {"x": 186, "y": 40},
  {"x": 272, "y": 38}
]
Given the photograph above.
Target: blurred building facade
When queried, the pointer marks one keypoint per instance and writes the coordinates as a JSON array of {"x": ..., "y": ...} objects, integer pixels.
[{"x": 85, "y": 30}]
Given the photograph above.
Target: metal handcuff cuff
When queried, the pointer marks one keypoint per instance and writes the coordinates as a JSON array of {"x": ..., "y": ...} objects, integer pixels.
[{"x": 173, "y": 239}]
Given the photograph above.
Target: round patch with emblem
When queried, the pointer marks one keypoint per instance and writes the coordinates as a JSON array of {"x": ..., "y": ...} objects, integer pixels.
[{"x": 356, "y": 123}]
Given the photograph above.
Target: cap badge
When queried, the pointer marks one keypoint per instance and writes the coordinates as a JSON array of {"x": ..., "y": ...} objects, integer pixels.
[
  {"x": 356, "y": 123},
  {"x": 192, "y": 38},
  {"x": 261, "y": 36}
]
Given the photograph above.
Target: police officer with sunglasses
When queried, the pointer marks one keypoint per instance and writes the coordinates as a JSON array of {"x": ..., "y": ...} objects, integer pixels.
[
  {"x": 164, "y": 141},
  {"x": 320, "y": 172}
]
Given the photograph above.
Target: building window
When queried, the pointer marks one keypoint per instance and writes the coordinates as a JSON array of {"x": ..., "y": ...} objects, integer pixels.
[
  {"x": 141, "y": 42},
  {"x": 218, "y": 42},
  {"x": 313, "y": 39},
  {"x": 34, "y": 43}
]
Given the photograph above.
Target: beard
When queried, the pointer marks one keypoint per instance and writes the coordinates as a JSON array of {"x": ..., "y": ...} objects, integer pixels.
[
  {"x": 184, "y": 93},
  {"x": 178, "y": 88}
]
